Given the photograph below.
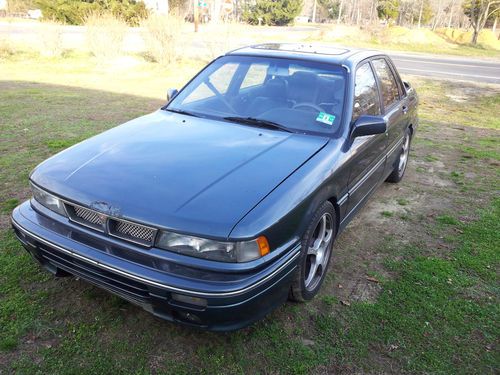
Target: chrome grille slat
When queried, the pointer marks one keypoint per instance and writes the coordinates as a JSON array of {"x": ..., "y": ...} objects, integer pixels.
[
  {"x": 134, "y": 230},
  {"x": 123, "y": 229},
  {"x": 88, "y": 215}
]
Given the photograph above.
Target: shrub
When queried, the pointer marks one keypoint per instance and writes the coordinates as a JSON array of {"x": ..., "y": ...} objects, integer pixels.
[
  {"x": 6, "y": 48},
  {"x": 105, "y": 34},
  {"x": 228, "y": 38},
  {"x": 161, "y": 35},
  {"x": 51, "y": 39},
  {"x": 272, "y": 12},
  {"x": 75, "y": 12}
]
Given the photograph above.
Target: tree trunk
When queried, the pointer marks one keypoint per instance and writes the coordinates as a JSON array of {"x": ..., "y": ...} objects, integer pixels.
[
  {"x": 373, "y": 11},
  {"x": 480, "y": 20},
  {"x": 494, "y": 28},
  {"x": 340, "y": 11},
  {"x": 420, "y": 14},
  {"x": 451, "y": 14},
  {"x": 196, "y": 15},
  {"x": 314, "y": 11},
  {"x": 438, "y": 16},
  {"x": 475, "y": 35}
]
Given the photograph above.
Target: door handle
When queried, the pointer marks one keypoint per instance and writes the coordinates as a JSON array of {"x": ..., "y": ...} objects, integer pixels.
[{"x": 405, "y": 109}]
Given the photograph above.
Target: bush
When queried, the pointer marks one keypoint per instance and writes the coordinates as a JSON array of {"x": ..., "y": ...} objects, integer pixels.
[
  {"x": 272, "y": 12},
  {"x": 75, "y": 12},
  {"x": 161, "y": 35},
  {"x": 6, "y": 49},
  {"x": 105, "y": 34},
  {"x": 51, "y": 39}
]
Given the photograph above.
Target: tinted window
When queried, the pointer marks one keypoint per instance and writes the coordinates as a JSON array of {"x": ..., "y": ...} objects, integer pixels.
[
  {"x": 366, "y": 100},
  {"x": 389, "y": 88}
]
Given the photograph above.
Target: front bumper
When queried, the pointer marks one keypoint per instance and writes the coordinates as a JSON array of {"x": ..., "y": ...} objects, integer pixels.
[{"x": 234, "y": 298}]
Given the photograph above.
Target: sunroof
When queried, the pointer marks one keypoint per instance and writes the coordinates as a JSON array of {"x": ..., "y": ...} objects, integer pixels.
[{"x": 303, "y": 48}]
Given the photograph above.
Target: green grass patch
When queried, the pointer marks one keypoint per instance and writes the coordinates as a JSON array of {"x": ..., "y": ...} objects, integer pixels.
[
  {"x": 427, "y": 320},
  {"x": 60, "y": 144},
  {"x": 447, "y": 220},
  {"x": 402, "y": 201},
  {"x": 475, "y": 108},
  {"x": 20, "y": 306},
  {"x": 8, "y": 205}
]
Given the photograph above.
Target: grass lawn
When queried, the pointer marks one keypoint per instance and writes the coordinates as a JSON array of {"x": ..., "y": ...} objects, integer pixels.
[{"x": 421, "y": 296}]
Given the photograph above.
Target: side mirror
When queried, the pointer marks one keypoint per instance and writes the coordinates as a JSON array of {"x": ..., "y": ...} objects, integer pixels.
[
  {"x": 407, "y": 85},
  {"x": 368, "y": 125},
  {"x": 171, "y": 93}
]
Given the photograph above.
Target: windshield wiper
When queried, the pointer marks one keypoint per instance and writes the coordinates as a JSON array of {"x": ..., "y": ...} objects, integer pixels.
[
  {"x": 182, "y": 112},
  {"x": 257, "y": 122}
]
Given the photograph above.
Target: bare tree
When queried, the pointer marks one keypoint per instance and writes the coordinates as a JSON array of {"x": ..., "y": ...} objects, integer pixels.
[{"x": 478, "y": 12}]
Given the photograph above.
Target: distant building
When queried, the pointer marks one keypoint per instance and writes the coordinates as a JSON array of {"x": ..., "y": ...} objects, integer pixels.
[
  {"x": 307, "y": 9},
  {"x": 34, "y": 14},
  {"x": 156, "y": 6}
]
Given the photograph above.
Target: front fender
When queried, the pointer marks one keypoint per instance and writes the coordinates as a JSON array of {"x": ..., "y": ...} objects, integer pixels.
[{"x": 284, "y": 214}]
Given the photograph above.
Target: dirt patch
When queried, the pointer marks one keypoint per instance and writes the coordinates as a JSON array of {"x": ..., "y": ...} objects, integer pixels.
[{"x": 436, "y": 182}]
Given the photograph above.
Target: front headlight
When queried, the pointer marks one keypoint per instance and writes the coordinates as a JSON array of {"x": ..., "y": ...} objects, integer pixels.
[
  {"x": 48, "y": 200},
  {"x": 243, "y": 251}
]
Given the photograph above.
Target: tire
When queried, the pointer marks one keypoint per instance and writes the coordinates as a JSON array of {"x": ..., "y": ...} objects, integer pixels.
[
  {"x": 312, "y": 267},
  {"x": 402, "y": 160}
]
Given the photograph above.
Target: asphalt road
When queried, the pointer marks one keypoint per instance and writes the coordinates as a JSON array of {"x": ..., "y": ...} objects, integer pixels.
[
  {"x": 456, "y": 68},
  {"x": 466, "y": 69}
]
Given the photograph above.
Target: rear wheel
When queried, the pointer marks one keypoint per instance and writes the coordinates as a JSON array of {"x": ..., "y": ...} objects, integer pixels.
[
  {"x": 402, "y": 161},
  {"x": 315, "y": 255}
]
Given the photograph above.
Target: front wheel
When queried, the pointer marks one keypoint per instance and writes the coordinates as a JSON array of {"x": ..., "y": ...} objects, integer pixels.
[
  {"x": 315, "y": 255},
  {"x": 402, "y": 161}
]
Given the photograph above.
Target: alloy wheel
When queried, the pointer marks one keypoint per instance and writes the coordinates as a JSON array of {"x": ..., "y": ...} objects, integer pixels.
[
  {"x": 318, "y": 252},
  {"x": 403, "y": 159}
]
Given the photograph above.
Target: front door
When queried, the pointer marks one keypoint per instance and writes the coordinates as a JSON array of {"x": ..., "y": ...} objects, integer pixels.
[
  {"x": 367, "y": 154},
  {"x": 395, "y": 109}
]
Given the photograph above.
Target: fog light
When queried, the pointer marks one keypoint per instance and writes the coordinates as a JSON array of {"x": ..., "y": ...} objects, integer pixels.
[
  {"x": 189, "y": 317},
  {"x": 202, "y": 302}
]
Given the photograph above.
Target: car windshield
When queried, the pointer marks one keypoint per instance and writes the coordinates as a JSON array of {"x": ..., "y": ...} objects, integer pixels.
[{"x": 294, "y": 95}]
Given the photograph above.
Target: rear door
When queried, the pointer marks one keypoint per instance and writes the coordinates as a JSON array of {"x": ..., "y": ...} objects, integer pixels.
[
  {"x": 394, "y": 108},
  {"x": 367, "y": 154}
]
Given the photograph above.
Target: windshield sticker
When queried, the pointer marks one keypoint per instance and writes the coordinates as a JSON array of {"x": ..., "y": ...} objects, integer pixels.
[{"x": 325, "y": 118}]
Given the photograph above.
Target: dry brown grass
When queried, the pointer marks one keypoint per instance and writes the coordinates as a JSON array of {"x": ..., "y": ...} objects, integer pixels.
[
  {"x": 162, "y": 36},
  {"x": 105, "y": 35},
  {"x": 51, "y": 39}
]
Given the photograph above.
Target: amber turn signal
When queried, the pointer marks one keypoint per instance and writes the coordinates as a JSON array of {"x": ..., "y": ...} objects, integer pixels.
[{"x": 263, "y": 245}]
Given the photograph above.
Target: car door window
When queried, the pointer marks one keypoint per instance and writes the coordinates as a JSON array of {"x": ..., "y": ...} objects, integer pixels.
[
  {"x": 366, "y": 99},
  {"x": 389, "y": 87}
]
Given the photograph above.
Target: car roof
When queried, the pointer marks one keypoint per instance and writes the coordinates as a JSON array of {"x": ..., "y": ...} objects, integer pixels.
[{"x": 311, "y": 52}]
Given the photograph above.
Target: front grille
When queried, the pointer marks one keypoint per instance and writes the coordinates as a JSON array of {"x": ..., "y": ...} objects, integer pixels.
[
  {"x": 130, "y": 230},
  {"x": 88, "y": 215},
  {"x": 123, "y": 229}
]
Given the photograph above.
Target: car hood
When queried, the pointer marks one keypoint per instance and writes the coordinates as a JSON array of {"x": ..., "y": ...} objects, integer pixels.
[{"x": 178, "y": 172}]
